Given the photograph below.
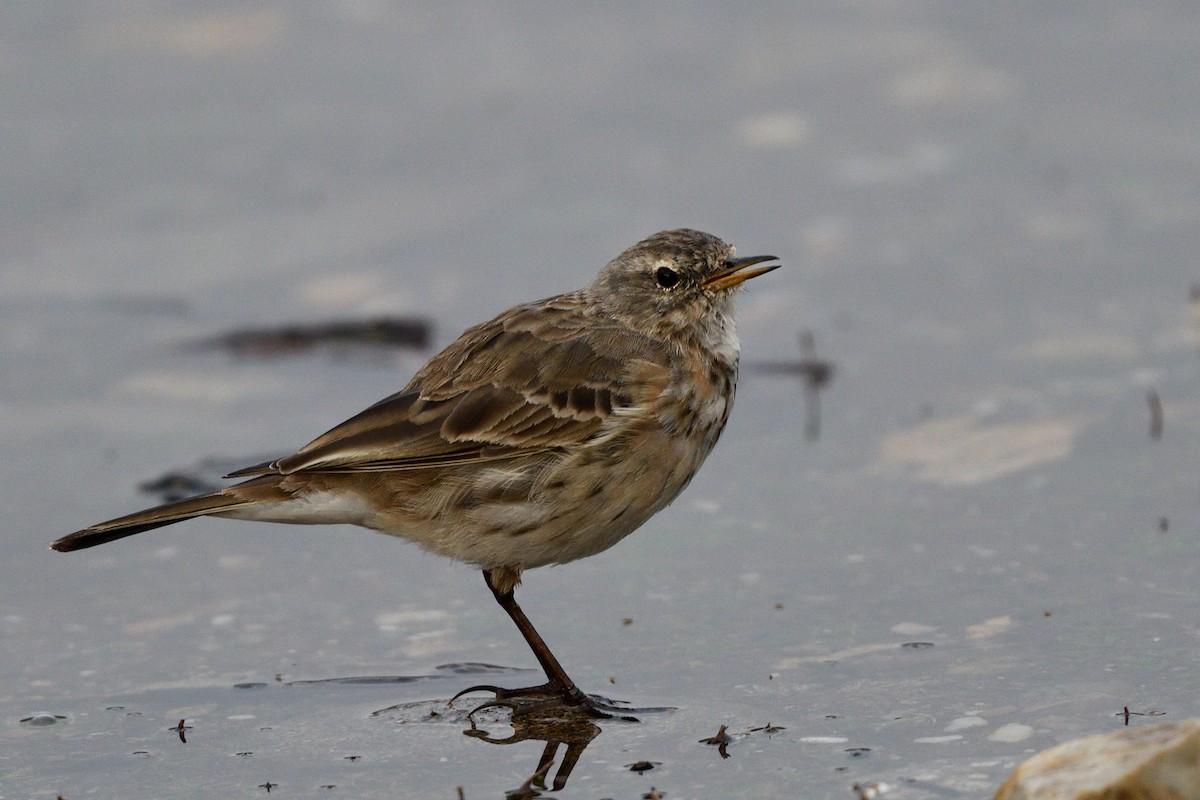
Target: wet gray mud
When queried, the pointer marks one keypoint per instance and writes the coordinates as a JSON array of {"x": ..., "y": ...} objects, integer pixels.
[{"x": 983, "y": 539}]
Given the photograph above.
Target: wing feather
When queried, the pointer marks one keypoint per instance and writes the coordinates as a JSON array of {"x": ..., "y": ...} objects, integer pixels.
[{"x": 534, "y": 379}]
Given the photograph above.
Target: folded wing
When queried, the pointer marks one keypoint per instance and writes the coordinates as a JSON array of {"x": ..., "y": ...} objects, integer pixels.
[{"x": 520, "y": 384}]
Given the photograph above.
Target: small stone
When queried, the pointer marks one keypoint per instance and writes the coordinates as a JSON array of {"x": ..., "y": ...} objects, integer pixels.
[{"x": 42, "y": 720}]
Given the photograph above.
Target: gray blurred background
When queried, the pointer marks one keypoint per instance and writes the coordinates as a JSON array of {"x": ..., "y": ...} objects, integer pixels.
[{"x": 988, "y": 216}]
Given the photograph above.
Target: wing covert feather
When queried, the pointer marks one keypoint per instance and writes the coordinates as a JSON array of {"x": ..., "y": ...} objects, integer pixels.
[{"x": 522, "y": 383}]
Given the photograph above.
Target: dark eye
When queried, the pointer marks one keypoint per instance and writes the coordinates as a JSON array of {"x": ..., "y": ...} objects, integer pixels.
[{"x": 666, "y": 277}]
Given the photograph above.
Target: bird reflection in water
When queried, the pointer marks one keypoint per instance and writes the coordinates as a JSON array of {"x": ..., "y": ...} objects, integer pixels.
[
  {"x": 568, "y": 726},
  {"x": 548, "y": 719}
]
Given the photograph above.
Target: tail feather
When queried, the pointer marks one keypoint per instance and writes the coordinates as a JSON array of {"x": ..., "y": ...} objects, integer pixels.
[{"x": 152, "y": 518}]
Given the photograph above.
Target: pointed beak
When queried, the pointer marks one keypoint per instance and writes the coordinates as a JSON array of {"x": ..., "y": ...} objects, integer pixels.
[{"x": 736, "y": 271}]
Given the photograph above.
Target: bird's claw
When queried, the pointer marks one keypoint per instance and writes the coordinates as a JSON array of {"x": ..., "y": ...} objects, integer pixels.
[{"x": 554, "y": 698}]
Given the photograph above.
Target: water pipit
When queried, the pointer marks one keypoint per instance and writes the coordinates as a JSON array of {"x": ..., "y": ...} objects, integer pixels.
[{"x": 539, "y": 437}]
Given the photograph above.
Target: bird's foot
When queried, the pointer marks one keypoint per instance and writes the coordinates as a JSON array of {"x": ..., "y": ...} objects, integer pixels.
[{"x": 551, "y": 698}]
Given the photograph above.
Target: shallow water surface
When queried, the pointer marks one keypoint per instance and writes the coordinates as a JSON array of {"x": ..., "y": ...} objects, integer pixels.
[{"x": 987, "y": 227}]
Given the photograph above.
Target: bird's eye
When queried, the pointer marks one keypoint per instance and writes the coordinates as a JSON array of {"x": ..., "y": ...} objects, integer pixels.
[{"x": 666, "y": 277}]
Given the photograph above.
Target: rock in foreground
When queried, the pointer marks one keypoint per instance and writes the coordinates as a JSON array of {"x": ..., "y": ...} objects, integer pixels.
[{"x": 1157, "y": 762}]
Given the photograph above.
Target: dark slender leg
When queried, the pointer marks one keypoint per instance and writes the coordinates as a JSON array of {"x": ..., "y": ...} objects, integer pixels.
[
  {"x": 554, "y": 672},
  {"x": 558, "y": 682}
]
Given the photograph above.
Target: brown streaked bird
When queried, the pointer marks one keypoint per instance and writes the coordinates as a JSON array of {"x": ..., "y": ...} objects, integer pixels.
[{"x": 542, "y": 436}]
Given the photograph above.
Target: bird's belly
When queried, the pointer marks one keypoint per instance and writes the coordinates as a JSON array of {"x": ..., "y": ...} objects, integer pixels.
[
  {"x": 546, "y": 511},
  {"x": 604, "y": 500}
]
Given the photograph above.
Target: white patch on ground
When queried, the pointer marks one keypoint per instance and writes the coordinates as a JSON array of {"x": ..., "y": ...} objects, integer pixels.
[
  {"x": 840, "y": 655},
  {"x": 952, "y": 79},
  {"x": 1078, "y": 347},
  {"x": 706, "y": 506},
  {"x": 962, "y": 451},
  {"x": 201, "y": 388},
  {"x": 1012, "y": 732},
  {"x": 991, "y": 627},
  {"x": 431, "y": 644},
  {"x": 396, "y": 620},
  {"x": 963, "y": 723},
  {"x": 773, "y": 131},
  {"x": 205, "y": 35}
]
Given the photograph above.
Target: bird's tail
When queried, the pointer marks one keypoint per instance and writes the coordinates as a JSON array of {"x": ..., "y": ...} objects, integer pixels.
[{"x": 225, "y": 500}]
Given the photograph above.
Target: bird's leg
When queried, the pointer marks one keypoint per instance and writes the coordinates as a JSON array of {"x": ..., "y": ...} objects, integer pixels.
[{"x": 558, "y": 682}]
